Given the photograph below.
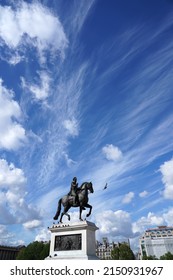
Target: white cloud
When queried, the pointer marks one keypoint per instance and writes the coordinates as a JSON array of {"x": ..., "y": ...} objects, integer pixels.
[
  {"x": 168, "y": 217},
  {"x": 2, "y": 229},
  {"x": 41, "y": 89},
  {"x": 119, "y": 224},
  {"x": 71, "y": 126},
  {"x": 166, "y": 170},
  {"x": 112, "y": 152},
  {"x": 143, "y": 194},
  {"x": 32, "y": 224},
  {"x": 43, "y": 235},
  {"x": 114, "y": 224},
  {"x": 9, "y": 238},
  {"x": 152, "y": 220},
  {"x": 12, "y": 134},
  {"x": 11, "y": 57},
  {"x": 5, "y": 235},
  {"x": 128, "y": 197},
  {"x": 32, "y": 24},
  {"x": 10, "y": 176},
  {"x": 13, "y": 206}
]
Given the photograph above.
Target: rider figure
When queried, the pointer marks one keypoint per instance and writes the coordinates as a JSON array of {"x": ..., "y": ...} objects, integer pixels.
[{"x": 73, "y": 191}]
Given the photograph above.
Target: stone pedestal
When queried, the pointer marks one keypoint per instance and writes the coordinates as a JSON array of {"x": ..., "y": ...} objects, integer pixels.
[{"x": 73, "y": 241}]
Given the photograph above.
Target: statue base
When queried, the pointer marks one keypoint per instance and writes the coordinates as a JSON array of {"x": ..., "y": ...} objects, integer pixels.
[{"x": 73, "y": 241}]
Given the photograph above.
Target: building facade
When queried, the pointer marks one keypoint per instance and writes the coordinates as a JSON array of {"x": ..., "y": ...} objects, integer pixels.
[
  {"x": 104, "y": 249},
  {"x": 9, "y": 253},
  {"x": 156, "y": 242}
]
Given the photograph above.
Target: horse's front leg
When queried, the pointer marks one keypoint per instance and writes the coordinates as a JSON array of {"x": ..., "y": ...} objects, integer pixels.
[
  {"x": 62, "y": 214},
  {"x": 90, "y": 207},
  {"x": 65, "y": 213},
  {"x": 80, "y": 213},
  {"x": 67, "y": 216}
]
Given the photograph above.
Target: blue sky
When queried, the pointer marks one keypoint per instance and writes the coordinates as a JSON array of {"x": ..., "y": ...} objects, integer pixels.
[{"x": 86, "y": 91}]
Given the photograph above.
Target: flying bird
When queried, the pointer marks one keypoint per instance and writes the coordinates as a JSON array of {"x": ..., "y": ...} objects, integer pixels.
[{"x": 105, "y": 187}]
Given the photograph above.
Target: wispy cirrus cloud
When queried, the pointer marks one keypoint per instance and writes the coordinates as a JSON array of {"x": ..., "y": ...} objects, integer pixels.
[
  {"x": 61, "y": 119},
  {"x": 82, "y": 13},
  {"x": 77, "y": 15},
  {"x": 144, "y": 101},
  {"x": 143, "y": 137},
  {"x": 137, "y": 120}
]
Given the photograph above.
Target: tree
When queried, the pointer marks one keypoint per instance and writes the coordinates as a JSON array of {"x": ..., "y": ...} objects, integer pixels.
[
  {"x": 45, "y": 252},
  {"x": 34, "y": 251},
  {"x": 122, "y": 252},
  {"x": 167, "y": 256},
  {"x": 125, "y": 252},
  {"x": 145, "y": 257},
  {"x": 115, "y": 254}
]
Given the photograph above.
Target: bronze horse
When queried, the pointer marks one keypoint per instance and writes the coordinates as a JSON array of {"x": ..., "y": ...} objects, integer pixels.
[{"x": 68, "y": 201}]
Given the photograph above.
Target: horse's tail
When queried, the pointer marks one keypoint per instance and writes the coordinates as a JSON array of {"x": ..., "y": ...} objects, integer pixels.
[{"x": 58, "y": 210}]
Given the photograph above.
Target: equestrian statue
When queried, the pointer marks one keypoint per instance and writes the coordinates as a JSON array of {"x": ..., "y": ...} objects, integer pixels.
[{"x": 77, "y": 197}]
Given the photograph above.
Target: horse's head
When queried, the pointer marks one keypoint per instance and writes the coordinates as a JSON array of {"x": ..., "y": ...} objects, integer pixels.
[
  {"x": 90, "y": 187},
  {"x": 86, "y": 186}
]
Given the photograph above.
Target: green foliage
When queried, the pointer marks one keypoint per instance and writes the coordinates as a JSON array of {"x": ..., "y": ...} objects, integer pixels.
[
  {"x": 122, "y": 252},
  {"x": 115, "y": 254},
  {"x": 45, "y": 252},
  {"x": 34, "y": 251},
  {"x": 126, "y": 253},
  {"x": 167, "y": 256},
  {"x": 149, "y": 257}
]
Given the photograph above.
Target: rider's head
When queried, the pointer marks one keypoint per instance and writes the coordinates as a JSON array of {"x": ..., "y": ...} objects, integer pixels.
[{"x": 74, "y": 179}]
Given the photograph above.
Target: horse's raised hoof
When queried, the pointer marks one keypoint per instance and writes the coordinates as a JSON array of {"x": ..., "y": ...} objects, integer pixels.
[{"x": 87, "y": 215}]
